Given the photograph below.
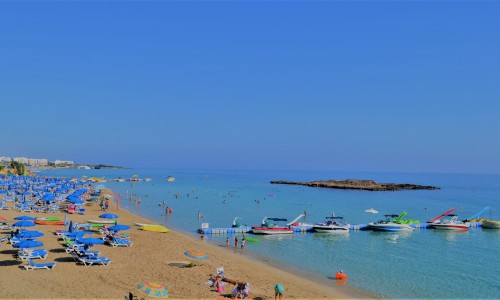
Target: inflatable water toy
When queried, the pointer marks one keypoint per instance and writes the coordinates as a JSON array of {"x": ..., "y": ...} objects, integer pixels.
[
  {"x": 196, "y": 254},
  {"x": 340, "y": 275},
  {"x": 155, "y": 228},
  {"x": 252, "y": 240}
]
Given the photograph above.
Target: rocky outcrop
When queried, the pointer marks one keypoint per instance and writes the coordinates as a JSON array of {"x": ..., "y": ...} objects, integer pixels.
[{"x": 354, "y": 184}]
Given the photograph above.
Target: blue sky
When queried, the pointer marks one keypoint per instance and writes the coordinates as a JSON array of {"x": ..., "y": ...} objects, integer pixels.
[{"x": 328, "y": 85}]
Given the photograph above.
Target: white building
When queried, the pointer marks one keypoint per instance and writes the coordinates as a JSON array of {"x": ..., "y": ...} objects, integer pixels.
[
  {"x": 22, "y": 160},
  {"x": 5, "y": 159},
  {"x": 63, "y": 162},
  {"x": 38, "y": 161}
]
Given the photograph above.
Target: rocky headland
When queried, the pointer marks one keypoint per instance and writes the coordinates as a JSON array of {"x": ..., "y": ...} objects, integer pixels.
[{"x": 355, "y": 184}]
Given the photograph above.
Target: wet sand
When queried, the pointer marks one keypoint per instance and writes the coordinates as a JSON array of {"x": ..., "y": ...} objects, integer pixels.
[{"x": 148, "y": 260}]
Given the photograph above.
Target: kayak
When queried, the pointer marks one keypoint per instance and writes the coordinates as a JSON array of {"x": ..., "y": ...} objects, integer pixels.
[
  {"x": 155, "y": 228},
  {"x": 39, "y": 222},
  {"x": 48, "y": 219},
  {"x": 101, "y": 221},
  {"x": 144, "y": 224}
]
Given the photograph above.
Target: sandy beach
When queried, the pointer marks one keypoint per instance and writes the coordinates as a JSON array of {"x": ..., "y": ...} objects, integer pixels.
[{"x": 148, "y": 260}]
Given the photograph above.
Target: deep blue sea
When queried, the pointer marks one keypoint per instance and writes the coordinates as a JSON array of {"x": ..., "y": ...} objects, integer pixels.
[{"x": 420, "y": 264}]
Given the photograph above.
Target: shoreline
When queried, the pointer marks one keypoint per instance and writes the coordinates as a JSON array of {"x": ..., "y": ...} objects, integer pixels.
[
  {"x": 350, "y": 292},
  {"x": 147, "y": 260}
]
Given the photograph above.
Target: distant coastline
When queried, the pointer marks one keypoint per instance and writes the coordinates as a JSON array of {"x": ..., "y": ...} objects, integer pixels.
[{"x": 356, "y": 184}]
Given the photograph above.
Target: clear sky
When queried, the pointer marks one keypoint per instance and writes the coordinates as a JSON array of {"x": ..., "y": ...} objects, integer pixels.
[{"x": 325, "y": 85}]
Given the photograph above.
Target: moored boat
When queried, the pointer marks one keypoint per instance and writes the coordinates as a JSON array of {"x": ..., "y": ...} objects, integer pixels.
[
  {"x": 450, "y": 223},
  {"x": 332, "y": 224},
  {"x": 491, "y": 224},
  {"x": 388, "y": 224},
  {"x": 270, "y": 228}
]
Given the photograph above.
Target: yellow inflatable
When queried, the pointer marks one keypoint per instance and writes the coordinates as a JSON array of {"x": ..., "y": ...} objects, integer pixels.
[{"x": 155, "y": 228}]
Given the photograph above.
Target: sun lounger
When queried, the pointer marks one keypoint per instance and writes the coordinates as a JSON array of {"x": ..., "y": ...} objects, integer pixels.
[
  {"x": 39, "y": 253},
  {"x": 94, "y": 260},
  {"x": 115, "y": 242},
  {"x": 32, "y": 265}
]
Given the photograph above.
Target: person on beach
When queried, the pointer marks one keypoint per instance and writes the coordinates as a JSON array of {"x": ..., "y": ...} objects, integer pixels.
[
  {"x": 166, "y": 210},
  {"x": 170, "y": 210},
  {"x": 236, "y": 242},
  {"x": 228, "y": 242},
  {"x": 243, "y": 243},
  {"x": 242, "y": 289},
  {"x": 279, "y": 291},
  {"x": 106, "y": 205}
]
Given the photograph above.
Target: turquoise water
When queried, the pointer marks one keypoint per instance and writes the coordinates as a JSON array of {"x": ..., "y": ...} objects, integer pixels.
[{"x": 420, "y": 264}]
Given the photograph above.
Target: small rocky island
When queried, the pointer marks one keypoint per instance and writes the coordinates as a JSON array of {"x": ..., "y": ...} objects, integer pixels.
[{"x": 354, "y": 184}]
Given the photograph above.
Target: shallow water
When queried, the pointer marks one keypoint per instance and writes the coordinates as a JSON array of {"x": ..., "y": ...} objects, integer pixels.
[{"x": 420, "y": 264}]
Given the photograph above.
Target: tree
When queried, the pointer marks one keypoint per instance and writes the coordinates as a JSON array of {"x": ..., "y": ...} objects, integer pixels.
[{"x": 18, "y": 167}]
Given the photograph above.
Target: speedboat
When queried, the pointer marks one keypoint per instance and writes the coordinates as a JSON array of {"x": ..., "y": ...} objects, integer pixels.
[
  {"x": 450, "y": 223},
  {"x": 388, "y": 224},
  {"x": 332, "y": 224},
  {"x": 267, "y": 227}
]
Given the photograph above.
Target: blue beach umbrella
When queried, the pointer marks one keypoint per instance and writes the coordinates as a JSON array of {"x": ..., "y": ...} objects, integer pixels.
[
  {"x": 24, "y": 224},
  {"x": 108, "y": 216},
  {"x": 24, "y": 218},
  {"x": 76, "y": 201},
  {"x": 91, "y": 241},
  {"x": 30, "y": 234},
  {"x": 48, "y": 197},
  {"x": 27, "y": 244},
  {"x": 119, "y": 227}
]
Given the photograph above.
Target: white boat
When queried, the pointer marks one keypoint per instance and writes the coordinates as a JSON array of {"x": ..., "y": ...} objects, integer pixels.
[
  {"x": 389, "y": 225},
  {"x": 451, "y": 223},
  {"x": 332, "y": 224}
]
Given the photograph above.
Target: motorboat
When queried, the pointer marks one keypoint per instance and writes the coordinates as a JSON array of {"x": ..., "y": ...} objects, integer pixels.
[
  {"x": 267, "y": 227},
  {"x": 491, "y": 224},
  {"x": 388, "y": 224},
  {"x": 332, "y": 224},
  {"x": 451, "y": 222},
  {"x": 400, "y": 219}
]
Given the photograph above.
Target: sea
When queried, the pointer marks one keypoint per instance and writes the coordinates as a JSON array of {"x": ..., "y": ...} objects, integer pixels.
[{"x": 422, "y": 264}]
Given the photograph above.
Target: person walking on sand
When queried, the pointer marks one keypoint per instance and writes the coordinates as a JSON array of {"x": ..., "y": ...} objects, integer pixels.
[{"x": 279, "y": 291}]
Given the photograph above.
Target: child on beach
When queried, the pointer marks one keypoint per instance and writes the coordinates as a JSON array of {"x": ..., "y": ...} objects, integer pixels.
[
  {"x": 236, "y": 242},
  {"x": 279, "y": 290},
  {"x": 228, "y": 242},
  {"x": 106, "y": 205}
]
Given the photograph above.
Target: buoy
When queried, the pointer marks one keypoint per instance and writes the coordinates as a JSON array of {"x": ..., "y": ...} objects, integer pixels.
[{"x": 341, "y": 275}]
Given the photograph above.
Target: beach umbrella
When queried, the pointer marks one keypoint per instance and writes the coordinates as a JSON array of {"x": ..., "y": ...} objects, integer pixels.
[
  {"x": 48, "y": 197},
  {"x": 27, "y": 244},
  {"x": 108, "y": 216},
  {"x": 119, "y": 227},
  {"x": 24, "y": 224},
  {"x": 76, "y": 201},
  {"x": 24, "y": 218},
  {"x": 91, "y": 241},
  {"x": 30, "y": 234},
  {"x": 196, "y": 254},
  {"x": 153, "y": 290}
]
